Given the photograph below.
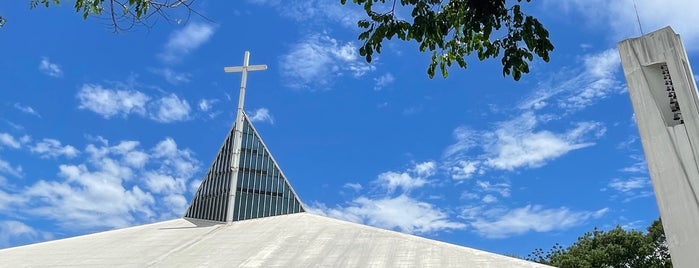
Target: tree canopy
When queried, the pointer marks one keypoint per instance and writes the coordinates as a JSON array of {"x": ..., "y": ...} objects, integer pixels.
[
  {"x": 455, "y": 29},
  {"x": 615, "y": 248},
  {"x": 122, "y": 14}
]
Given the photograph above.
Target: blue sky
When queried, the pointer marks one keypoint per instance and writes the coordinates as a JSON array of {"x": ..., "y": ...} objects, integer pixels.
[{"x": 101, "y": 130}]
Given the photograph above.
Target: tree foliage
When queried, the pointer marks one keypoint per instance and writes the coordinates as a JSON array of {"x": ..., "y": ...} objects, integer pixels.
[
  {"x": 122, "y": 14},
  {"x": 613, "y": 248},
  {"x": 455, "y": 29}
]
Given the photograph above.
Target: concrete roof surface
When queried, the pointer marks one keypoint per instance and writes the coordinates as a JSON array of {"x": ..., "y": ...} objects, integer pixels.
[{"x": 294, "y": 240}]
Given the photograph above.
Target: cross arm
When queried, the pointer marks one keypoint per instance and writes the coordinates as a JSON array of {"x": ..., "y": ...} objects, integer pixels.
[{"x": 248, "y": 68}]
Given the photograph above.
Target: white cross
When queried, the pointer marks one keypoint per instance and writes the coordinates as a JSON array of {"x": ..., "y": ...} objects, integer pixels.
[
  {"x": 244, "y": 69},
  {"x": 238, "y": 139}
]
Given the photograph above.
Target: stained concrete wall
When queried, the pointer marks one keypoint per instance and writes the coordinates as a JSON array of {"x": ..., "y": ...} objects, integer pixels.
[{"x": 670, "y": 136}]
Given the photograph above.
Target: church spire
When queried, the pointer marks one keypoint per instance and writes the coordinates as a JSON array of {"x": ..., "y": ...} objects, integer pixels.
[{"x": 244, "y": 181}]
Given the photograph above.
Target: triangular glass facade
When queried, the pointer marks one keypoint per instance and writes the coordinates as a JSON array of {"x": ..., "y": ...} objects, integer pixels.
[{"x": 262, "y": 190}]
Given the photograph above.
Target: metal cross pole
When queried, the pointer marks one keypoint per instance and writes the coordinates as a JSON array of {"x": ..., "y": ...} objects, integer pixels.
[{"x": 238, "y": 129}]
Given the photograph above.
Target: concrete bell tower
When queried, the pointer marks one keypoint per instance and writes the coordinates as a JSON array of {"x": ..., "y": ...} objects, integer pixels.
[{"x": 664, "y": 97}]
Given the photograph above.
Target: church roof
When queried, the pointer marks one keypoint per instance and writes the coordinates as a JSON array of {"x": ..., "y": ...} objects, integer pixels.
[{"x": 292, "y": 240}]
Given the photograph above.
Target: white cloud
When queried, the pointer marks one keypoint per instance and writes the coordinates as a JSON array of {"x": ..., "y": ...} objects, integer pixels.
[
  {"x": 526, "y": 141},
  {"x": 501, "y": 188},
  {"x": 8, "y": 140},
  {"x": 522, "y": 142},
  {"x": 50, "y": 68},
  {"x": 194, "y": 185},
  {"x": 162, "y": 183},
  {"x": 316, "y": 61},
  {"x": 48, "y": 148},
  {"x": 629, "y": 144},
  {"x": 503, "y": 222},
  {"x": 9, "y": 201},
  {"x": 638, "y": 166},
  {"x": 261, "y": 115},
  {"x": 176, "y": 162},
  {"x": 488, "y": 192},
  {"x": 466, "y": 139},
  {"x": 394, "y": 180},
  {"x": 169, "y": 109},
  {"x": 7, "y": 168},
  {"x": 628, "y": 185},
  {"x": 353, "y": 186},
  {"x": 467, "y": 195},
  {"x": 27, "y": 110},
  {"x": 579, "y": 88},
  {"x": 399, "y": 213},
  {"x": 516, "y": 144},
  {"x": 206, "y": 105},
  {"x": 425, "y": 169},
  {"x": 619, "y": 17},
  {"x": 413, "y": 110},
  {"x": 520, "y": 146},
  {"x": 599, "y": 81},
  {"x": 184, "y": 41},
  {"x": 14, "y": 230},
  {"x": 637, "y": 225},
  {"x": 489, "y": 198},
  {"x": 463, "y": 169},
  {"x": 109, "y": 102},
  {"x": 116, "y": 186},
  {"x": 176, "y": 202},
  {"x": 383, "y": 81},
  {"x": 89, "y": 200},
  {"x": 316, "y": 11},
  {"x": 172, "y": 76},
  {"x": 414, "y": 178}
]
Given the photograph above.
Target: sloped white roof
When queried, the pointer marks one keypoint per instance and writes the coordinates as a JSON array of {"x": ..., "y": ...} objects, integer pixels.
[{"x": 294, "y": 240}]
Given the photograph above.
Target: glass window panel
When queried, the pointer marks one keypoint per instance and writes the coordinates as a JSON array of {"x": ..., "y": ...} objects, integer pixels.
[
  {"x": 267, "y": 211},
  {"x": 223, "y": 207},
  {"x": 254, "y": 208},
  {"x": 282, "y": 204},
  {"x": 207, "y": 209},
  {"x": 241, "y": 208},
  {"x": 248, "y": 206},
  {"x": 236, "y": 206},
  {"x": 266, "y": 191},
  {"x": 273, "y": 205},
  {"x": 289, "y": 198},
  {"x": 275, "y": 189}
]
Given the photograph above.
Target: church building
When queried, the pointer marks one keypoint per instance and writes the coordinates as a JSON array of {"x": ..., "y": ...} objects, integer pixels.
[{"x": 246, "y": 214}]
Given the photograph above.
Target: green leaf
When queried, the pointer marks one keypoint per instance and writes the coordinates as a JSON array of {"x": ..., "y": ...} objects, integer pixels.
[
  {"x": 456, "y": 29},
  {"x": 443, "y": 69}
]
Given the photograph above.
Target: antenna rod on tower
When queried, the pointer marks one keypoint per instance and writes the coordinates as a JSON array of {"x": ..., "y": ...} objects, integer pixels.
[{"x": 637, "y": 17}]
